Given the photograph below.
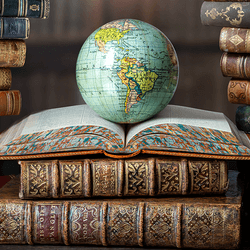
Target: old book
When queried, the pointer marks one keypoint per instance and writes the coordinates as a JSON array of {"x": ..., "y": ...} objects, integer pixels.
[
  {"x": 14, "y": 28},
  {"x": 226, "y": 14},
  {"x": 10, "y": 102},
  {"x": 5, "y": 78},
  {"x": 199, "y": 222},
  {"x": 12, "y": 53},
  {"x": 242, "y": 118},
  {"x": 78, "y": 130},
  {"x": 27, "y": 8},
  {"x": 235, "y": 65},
  {"x": 235, "y": 40},
  {"x": 152, "y": 176},
  {"x": 239, "y": 91},
  {"x": 228, "y": 0}
]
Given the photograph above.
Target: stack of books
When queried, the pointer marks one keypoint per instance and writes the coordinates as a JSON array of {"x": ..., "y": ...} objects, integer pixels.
[
  {"x": 160, "y": 183},
  {"x": 14, "y": 28},
  {"x": 234, "y": 41}
]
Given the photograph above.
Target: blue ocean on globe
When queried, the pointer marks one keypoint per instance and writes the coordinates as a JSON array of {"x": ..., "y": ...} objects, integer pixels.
[{"x": 127, "y": 71}]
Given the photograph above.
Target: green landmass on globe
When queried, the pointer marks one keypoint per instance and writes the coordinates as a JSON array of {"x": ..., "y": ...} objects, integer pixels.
[{"x": 127, "y": 71}]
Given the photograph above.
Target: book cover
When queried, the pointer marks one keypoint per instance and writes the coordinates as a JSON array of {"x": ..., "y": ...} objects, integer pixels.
[
  {"x": 235, "y": 65},
  {"x": 10, "y": 102},
  {"x": 226, "y": 14},
  {"x": 105, "y": 177},
  {"x": 239, "y": 91},
  {"x": 200, "y": 222},
  {"x": 78, "y": 130},
  {"x": 5, "y": 78},
  {"x": 27, "y": 8},
  {"x": 14, "y": 28},
  {"x": 234, "y": 40},
  {"x": 12, "y": 53}
]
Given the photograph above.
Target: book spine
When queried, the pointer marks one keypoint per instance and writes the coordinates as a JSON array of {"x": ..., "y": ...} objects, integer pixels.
[
  {"x": 115, "y": 178},
  {"x": 226, "y": 14},
  {"x": 14, "y": 28},
  {"x": 242, "y": 118},
  {"x": 121, "y": 223},
  {"x": 5, "y": 78},
  {"x": 235, "y": 65},
  {"x": 25, "y": 8},
  {"x": 12, "y": 53},
  {"x": 235, "y": 40},
  {"x": 10, "y": 102},
  {"x": 239, "y": 92}
]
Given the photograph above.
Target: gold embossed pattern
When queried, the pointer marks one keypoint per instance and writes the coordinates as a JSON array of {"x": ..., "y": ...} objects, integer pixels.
[
  {"x": 122, "y": 225},
  {"x": 104, "y": 178},
  {"x": 136, "y": 178},
  {"x": 38, "y": 180},
  {"x": 71, "y": 179},
  {"x": 160, "y": 225},
  {"x": 11, "y": 223}
]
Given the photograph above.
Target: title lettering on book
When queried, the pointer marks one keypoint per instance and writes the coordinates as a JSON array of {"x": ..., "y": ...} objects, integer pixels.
[{"x": 48, "y": 221}]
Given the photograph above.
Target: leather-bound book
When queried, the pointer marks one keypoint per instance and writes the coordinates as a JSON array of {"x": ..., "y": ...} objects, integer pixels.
[
  {"x": 27, "y": 8},
  {"x": 113, "y": 178},
  {"x": 14, "y": 28},
  {"x": 235, "y": 40},
  {"x": 242, "y": 118},
  {"x": 10, "y": 102},
  {"x": 12, "y": 53},
  {"x": 198, "y": 222},
  {"x": 235, "y": 65},
  {"x": 239, "y": 91},
  {"x": 226, "y": 14},
  {"x": 5, "y": 78}
]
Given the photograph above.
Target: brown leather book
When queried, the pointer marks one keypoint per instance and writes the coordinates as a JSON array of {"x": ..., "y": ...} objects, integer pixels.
[
  {"x": 226, "y": 14},
  {"x": 10, "y": 102},
  {"x": 235, "y": 40},
  {"x": 5, "y": 78},
  {"x": 12, "y": 53},
  {"x": 239, "y": 91},
  {"x": 235, "y": 65},
  {"x": 198, "y": 222},
  {"x": 131, "y": 177}
]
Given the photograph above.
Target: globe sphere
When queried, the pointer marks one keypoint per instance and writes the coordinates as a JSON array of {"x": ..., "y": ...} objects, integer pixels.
[{"x": 127, "y": 71}]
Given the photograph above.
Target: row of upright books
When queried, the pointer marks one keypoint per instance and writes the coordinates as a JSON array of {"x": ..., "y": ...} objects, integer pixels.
[{"x": 14, "y": 29}]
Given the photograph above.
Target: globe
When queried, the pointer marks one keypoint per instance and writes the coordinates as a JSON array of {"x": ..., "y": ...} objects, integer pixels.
[{"x": 127, "y": 71}]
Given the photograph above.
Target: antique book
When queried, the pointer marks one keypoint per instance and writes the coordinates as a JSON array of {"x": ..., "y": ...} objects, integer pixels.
[
  {"x": 225, "y": 14},
  {"x": 242, "y": 118},
  {"x": 25, "y": 8},
  {"x": 235, "y": 40},
  {"x": 10, "y": 102},
  {"x": 149, "y": 176},
  {"x": 5, "y": 78},
  {"x": 78, "y": 130},
  {"x": 235, "y": 65},
  {"x": 14, "y": 28},
  {"x": 198, "y": 222},
  {"x": 239, "y": 91},
  {"x": 12, "y": 53}
]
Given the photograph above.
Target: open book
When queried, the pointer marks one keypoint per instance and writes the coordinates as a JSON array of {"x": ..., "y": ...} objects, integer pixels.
[{"x": 78, "y": 130}]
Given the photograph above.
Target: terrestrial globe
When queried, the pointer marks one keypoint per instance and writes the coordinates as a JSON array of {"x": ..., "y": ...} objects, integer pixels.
[{"x": 127, "y": 71}]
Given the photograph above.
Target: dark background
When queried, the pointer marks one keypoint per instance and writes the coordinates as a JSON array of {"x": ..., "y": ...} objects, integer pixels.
[{"x": 47, "y": 79}]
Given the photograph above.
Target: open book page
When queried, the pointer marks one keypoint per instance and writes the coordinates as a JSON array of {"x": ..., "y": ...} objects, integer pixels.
[
  {"x": 52, "y": 119},
  {"x": 174, "y": 114}
]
